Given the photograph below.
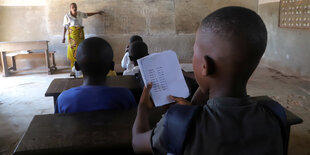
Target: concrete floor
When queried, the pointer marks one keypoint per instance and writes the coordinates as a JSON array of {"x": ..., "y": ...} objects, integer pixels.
[{"x": 22, "y": 97}]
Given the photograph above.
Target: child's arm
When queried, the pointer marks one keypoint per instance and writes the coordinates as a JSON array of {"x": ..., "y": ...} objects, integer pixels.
[
  {"x": 94, "y": 13},
  {"x": 141, "y": 132}
]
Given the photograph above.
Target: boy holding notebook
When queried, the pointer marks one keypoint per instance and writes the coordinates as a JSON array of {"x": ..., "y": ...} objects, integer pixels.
[{"x": 228, "y": 47}]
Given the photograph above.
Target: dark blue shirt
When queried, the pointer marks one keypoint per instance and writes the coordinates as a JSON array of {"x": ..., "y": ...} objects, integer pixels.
[
  {"x": 227, "y": 126},
  {"x": 92, "y": 98}
]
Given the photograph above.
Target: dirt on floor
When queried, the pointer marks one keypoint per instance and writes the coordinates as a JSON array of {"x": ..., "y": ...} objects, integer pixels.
[{"x": 22, "y": 97}]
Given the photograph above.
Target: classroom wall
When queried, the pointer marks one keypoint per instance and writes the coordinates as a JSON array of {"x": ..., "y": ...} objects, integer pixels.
[
  {"x": 288, "y": 50},
  {"x": 164, "y": 24}
]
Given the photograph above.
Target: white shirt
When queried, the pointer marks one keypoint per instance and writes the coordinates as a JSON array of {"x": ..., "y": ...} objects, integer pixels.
[
  {"x": 69, "y": 20},
  {"x": 132, "y": 71},
  {"x": 77, "y": 73},
  {"x": 126, "y": 63}
]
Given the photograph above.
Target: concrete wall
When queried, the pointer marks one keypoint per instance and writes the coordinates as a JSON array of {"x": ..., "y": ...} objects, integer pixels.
[
  {"x": 288, "y": 50},
  {"x": 164, "y": 24}
]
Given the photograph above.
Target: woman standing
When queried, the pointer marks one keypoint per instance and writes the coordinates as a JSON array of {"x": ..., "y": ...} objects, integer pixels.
[{"x": 73, "y": 22}]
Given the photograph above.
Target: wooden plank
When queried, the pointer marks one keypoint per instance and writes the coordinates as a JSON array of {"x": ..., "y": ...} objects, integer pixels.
[
  {"x": 13, "y": 63},
  {"x": 4, "y": 64},
  {"x": 23, "y": 45},
  {"x": 48, "y": 62},
  {"x": 96, "y": 132},
  {"x": 91, "y": 132},
  {"x": 57, "y": 86},
  {"x": 61, "y": 84}
]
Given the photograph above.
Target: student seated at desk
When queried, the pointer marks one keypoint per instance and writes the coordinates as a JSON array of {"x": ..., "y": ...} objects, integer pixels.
[
  {"x": 137, "y": 50},
  {"x": 126, "y": 63},
  {"x": 228, "y": 47},
  {"x": 94, "y": 58}
]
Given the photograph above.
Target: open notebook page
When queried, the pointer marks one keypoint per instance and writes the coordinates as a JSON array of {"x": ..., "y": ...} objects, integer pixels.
[{"x": 164, "y": 71}]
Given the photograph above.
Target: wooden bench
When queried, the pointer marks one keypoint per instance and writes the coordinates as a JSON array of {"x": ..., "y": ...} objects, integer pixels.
[{"x": 8, "y": 47}]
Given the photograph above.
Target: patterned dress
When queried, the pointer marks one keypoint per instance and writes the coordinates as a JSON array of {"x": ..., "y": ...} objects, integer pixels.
[{"x": 74, "y": 25}]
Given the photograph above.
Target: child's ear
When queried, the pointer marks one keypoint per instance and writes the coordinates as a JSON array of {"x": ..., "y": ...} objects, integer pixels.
[
  {"x": 208, "y": 66},
  {"x": 77, "y": 67}
]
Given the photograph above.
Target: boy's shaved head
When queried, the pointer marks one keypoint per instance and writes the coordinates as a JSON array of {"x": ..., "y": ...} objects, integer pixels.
[
  {"x": 137, "y": 50},
  {"x": 94, "y": 57},
  {"x": 230, "y": 43},
  {"x": 238, "y": 22},
  {"x": 135, "y": 38}
]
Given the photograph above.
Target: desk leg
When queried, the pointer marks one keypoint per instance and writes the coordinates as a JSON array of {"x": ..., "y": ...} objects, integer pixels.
[
  {"x": 55, "y": 103},
  {"x": 48, "y": 62},
  {"x": 13, "y": 63},
  {"x": 53, "y": 61},
  {"x": 5, "y": 64}
]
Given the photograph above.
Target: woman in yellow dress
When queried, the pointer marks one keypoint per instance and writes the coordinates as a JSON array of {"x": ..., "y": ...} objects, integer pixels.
[{"x": 73, "y": 22}]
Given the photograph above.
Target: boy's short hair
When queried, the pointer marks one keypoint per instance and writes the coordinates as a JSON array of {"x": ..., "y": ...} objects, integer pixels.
[
  {"x": 135, "y": 38},
  {"x": 73, "y": 4},
  {"x": 94, "y": 56},
  {"x": 137, "y": 50},
  {"x": 241, "y": 22}
]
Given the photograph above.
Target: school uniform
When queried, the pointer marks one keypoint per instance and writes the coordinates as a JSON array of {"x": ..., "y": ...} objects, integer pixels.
[
  {"x": 126, "y": 63},
  {"x": 132, "y": 71}
]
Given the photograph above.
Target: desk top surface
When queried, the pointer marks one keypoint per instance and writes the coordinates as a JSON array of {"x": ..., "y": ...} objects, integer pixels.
[
  {"x": 23, "y": 45},
  {"x": 95, "y": 131},
  {"x": 59, "y": 85},
  {"x": 88, "y": 131}
]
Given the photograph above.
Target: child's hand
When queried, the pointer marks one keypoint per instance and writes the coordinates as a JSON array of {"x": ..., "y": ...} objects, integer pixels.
[
  {"x": 145, "y": 99},
  {"x": 180, "y": 100}
]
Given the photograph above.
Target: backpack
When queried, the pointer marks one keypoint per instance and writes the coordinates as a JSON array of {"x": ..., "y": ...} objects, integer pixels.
[{"x": 179, "y": 123}]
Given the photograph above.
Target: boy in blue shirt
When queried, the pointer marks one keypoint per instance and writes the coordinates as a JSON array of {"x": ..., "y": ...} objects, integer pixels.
[
  {"x": 94, "y": 58},
  {"x": 228, "y": 47}
]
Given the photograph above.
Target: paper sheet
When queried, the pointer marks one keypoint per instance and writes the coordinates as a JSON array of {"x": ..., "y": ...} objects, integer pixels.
[{"x": 164, "y": 71}]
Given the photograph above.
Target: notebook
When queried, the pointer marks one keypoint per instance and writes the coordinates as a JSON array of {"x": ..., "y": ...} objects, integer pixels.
[{"x": 164, "y": 71}]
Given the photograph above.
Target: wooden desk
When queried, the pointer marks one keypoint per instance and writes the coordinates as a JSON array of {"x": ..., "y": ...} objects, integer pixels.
[
  {"x": 24, "y": 45},
  {"x": 82, "y": 133},
  {"x": 88, "y": 132},
  {"x": 79, "y": 133},
  {"x": 59, "y": 85}
]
